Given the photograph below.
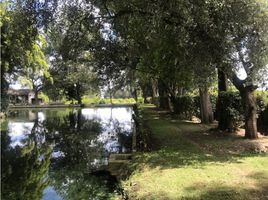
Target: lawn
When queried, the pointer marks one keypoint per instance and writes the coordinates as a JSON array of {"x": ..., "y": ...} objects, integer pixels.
[{"x": 188, "y": 161}]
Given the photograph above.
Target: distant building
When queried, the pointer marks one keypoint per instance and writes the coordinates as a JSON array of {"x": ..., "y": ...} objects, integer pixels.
[{"x": 22, "y": 97}]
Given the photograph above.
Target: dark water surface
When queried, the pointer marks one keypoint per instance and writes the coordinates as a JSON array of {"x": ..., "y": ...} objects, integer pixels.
[{"x": 56, "y": 154}]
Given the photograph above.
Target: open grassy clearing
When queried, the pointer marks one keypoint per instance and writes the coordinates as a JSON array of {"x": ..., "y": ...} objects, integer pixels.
[{"x": 190, "y": 162}]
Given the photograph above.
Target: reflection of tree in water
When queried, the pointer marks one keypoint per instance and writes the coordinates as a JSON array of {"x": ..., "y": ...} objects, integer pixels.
[
  {"x": 75, "y": 141},
  {"x": 121, "y": 136},
  {"x": 24, "y": 168},
  {"x": 73, "y": 184},
  {"x": 118, "y": 134},
  {"x": 76, "y": 153}
]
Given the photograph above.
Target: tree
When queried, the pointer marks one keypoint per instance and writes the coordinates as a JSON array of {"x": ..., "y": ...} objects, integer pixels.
[
  {"x": 71, "y": 36},
  {"x": 37, "y": 68},
  {"x": 246, "y": 31},
  {"x": 25, "y": 168},
  {"x": 20, "y": 23},
  {"x": 227, "y": 36}
]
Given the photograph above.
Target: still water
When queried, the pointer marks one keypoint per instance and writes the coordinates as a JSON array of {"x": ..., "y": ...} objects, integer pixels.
[{"x": 56, "y": 154}]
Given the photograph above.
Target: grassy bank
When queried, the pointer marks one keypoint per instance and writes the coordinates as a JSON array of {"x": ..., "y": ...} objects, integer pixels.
[{"x": 188, "y": 161}]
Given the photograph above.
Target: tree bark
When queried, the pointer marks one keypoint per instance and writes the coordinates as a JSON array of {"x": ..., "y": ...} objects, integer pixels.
[
  {"x": 36, "y": 102},
  {"x": 155, "y": 94},
  {"x": 205, "y": 106},
  {"x": 250, "y": 112},
  {"x": 4, "y": 88},
  {"x": 144, "y": 94},
  {"x": 222, "y": 81},
  {"x": 79, "y": 99},
  {"x": 164, "y": 101},
  {"x": 78, "y": 93},
  {"x": 135, "y": 93},
  {"x": 249, "y": 104},
  {"x": 223, "y": 124}
]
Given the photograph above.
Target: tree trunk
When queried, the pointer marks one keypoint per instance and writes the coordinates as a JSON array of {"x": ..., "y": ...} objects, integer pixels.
[
  {"x": 144, "y": 94},
  {"x": 111, "y": 97},
  {"x": 4, "y": 96},
  {"x": 135, "y": 94},
  {"x": 250, "y": 112},
  {"x": 155, "y": 94},
  {"x": 164, "y": 101},
  {"x": 79, "y": 99},
  {"x": 36, "y": 102},
  {"x": 78, "y": 94},
  {"x": 222, "y": 81},
  {"x": 223, "y": 124},
  {"x": 205, "y": 106},
  {"x": 249, "y": 105}
]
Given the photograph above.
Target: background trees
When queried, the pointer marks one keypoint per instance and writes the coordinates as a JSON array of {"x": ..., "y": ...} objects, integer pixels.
[
  {"x": 168, "y": 49},
  {"x": 20, "y": 22},
  {"x": 36, "y": 68},
  {"x": 183, "y": 43}
]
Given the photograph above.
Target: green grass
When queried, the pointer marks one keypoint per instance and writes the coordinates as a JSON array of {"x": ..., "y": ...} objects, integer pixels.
[{"x": 187, "y": 162}]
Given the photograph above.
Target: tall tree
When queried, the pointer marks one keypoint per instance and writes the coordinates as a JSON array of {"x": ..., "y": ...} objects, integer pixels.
[
  {"x": 36, "y": 70},
  {"x": 20, "y": 22}
]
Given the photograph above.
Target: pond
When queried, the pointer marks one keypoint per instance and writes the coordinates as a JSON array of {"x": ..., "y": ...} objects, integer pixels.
[{"x": 56, "y": 154}]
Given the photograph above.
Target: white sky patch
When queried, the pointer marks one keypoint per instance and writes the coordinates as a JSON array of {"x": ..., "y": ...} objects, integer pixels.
[
  {"x": 18, "y": 131},
  {"x": 242, "y": 74}
]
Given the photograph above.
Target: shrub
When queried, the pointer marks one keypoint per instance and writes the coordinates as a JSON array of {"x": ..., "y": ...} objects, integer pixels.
[
  {"x": 102, "y": 101},
  {"x": 44, "y": 97},
  {"x": 185, "y": 106},
  {"x": 231, "y": 115},
  {"x": 262, "y": 121},
  {"x": 90, "y": 100},
  {"x": 140, "y": 100},
  {"x": 262, "y": 107}
]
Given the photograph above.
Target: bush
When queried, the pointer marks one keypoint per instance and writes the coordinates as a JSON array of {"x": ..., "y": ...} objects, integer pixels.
[
  {"x": 262, "y": 108},
  {"x": 140, "y": 100},
  {"x": 231, "y": 115},
  {"x": 102, "y": 101},
  {"x": 185, "y": 106},
  {"x": 44, "y": 97},
  {"x": 91, "y": 100},
  {"x": 262, "y": 95},
  {"x": 262, "y": 121}
]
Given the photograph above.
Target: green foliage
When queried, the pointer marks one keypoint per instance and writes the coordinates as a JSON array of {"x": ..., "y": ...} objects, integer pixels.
[
  {"x": 91, "y": 100},
  {"x": 118, "y": 101},
  {"x": 232, "y": 109},
  {"x": 185, "y": 106},
  {"x": 140, "y": 100},
  {"x": 20, "y": 25},
  {"x": 262, "y": 121},
  {"x": 69, "y": 102},
  {"x": 189, "y": 105},
  {"x": 44, "y": 97},
  {"x": 262, "y": 108},
  {"x": 71, "y": 35},
  {"x": 261, "y": 97}
]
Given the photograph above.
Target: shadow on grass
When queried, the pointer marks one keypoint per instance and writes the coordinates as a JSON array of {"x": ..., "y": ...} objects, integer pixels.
[
  {"x": 178, "y": 143},
  {"x": 222, "y": 192},
  {"x": 167, "y": 159}
]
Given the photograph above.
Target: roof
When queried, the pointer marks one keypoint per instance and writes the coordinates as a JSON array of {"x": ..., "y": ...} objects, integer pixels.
[{"x": 19, "y": 91}]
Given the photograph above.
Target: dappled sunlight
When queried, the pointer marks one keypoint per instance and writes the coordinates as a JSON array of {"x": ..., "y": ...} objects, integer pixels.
[{"x": 188, "y": 161}]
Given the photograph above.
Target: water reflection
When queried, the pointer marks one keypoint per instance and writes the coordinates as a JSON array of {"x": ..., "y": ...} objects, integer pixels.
[{"x": 54, "y": 154}]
